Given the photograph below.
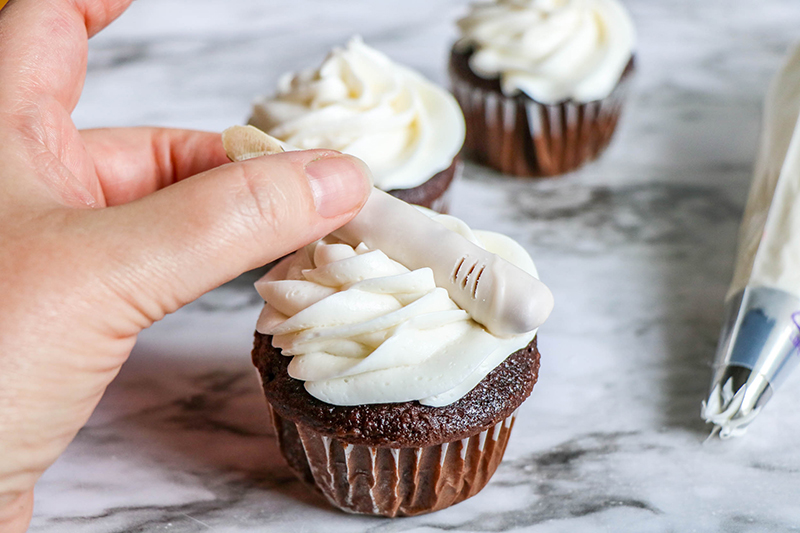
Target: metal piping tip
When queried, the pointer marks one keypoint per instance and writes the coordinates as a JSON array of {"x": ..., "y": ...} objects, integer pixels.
[
  {"x": 735, "y": 401},
  {"x": 759, "y": 346}
]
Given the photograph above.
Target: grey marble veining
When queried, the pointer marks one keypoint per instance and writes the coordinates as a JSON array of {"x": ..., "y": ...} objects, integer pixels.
[{"x": 637, "y": 248}]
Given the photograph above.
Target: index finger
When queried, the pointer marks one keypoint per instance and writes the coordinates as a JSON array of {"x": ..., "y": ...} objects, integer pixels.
[
  {"x": 45, "y": 46},
  {"x": 133, "y": 162}
]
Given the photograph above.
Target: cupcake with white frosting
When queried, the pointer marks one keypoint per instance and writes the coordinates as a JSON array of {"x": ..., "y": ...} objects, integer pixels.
[
  {"x": 408, "y": 130},
  {"x": 541, "y": 82},
  {"x": 386, "y": 395}
]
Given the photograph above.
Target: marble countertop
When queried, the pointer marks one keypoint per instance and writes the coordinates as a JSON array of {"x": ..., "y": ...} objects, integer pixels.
[{"x": 637, "y": 248}]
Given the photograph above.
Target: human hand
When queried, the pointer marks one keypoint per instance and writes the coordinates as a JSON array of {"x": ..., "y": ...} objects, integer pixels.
[{"x": 103, "y": 232}]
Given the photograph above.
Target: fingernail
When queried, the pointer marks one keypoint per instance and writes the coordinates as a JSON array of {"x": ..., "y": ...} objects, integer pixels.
[{"x": 339, "y": 184}]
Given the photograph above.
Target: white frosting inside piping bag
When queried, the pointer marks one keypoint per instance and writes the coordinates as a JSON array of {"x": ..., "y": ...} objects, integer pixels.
[
  {"x": 405, "y": 128},
  {"x": 551, "y": 50},
  {"x": 769, "y": 238},
  {"x": 365, "y": 329}
]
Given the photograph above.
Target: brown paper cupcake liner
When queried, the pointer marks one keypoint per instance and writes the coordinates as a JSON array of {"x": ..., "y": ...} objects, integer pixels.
[
  {"x": 520, "y": 136},
  {"x": 386, "y": 481}
]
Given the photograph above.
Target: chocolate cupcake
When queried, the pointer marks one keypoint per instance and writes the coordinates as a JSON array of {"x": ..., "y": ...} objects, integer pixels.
[
  {"x": 398, "y": 459},
  {"x": 386, "y": 395},
  {"x": 407, "y": 130},
  {"x": 541, "y": 82}
]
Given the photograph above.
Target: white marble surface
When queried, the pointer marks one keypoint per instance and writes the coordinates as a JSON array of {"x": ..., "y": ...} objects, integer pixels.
[{"x": 637, "y": 248}]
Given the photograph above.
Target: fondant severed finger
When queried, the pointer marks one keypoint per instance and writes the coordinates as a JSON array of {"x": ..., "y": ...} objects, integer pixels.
[
  {"x": 247, "y": 142},
  {"x": 500, "y": 296}
]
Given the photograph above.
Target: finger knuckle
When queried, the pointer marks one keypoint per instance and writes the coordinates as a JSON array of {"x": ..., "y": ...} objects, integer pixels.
[{"x": 263, "y": 202}]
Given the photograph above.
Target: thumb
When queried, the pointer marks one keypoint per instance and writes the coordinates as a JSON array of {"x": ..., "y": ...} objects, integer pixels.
[
  {"x": 16, "y": 511},
  {"x": 170, "y": 247}
]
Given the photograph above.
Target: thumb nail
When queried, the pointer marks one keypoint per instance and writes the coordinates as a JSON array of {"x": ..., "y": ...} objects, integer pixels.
[{"x": 339, "y": 184}]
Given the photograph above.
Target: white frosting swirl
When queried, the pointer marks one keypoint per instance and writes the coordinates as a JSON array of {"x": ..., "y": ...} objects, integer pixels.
[
  {"x": 361, "y": 103},
  {"x": 365, "y": 329},
  {"x": 551, "y": 50}
]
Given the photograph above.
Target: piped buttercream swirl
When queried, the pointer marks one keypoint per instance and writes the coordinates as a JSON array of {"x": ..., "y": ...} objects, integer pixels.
[
  {"x": 362, "y": 103},
  {"x": 363, "y": 329},
  {"x": 551, "y": 50}
]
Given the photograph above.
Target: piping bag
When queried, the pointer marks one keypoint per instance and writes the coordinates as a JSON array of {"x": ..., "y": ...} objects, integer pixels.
[{"x": 759, "y": 344}]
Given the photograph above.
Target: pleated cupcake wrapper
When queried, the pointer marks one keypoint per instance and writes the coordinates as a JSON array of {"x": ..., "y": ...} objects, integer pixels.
[
  {"x": 519, "y": 136},
  {"x": 380, "y": 480}
]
